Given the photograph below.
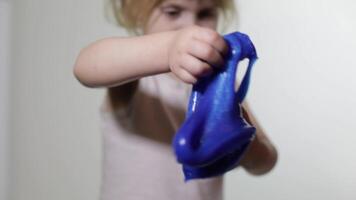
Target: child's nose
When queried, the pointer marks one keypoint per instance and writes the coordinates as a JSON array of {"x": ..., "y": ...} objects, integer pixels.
[{"x": 189, "y": 21}]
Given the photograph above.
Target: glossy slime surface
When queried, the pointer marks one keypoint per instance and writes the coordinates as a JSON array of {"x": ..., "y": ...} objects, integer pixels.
[{"x": 214, "y": 135}]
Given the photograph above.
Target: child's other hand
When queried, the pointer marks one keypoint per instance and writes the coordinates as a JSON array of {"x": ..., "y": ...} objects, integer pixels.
[{"x": 194, "y": 51}]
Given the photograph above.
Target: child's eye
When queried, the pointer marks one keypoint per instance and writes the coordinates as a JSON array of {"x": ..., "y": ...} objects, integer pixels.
[
  {"x": 171, "y": 12},
  {"x": 209, "y": 13}
]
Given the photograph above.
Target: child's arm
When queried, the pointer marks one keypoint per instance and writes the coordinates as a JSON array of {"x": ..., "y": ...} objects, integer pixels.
[
  {"x": 114, "y": 61},
  {"x": 262, "y": 155},
  {"x": 188, "y": 53}
]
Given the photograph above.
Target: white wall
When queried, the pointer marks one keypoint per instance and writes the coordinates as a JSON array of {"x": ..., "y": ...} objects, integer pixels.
[
  {"x": 5, "y": 12},
  {"x": 55, "y": 138},
  {"x": 302, "y": 91}
]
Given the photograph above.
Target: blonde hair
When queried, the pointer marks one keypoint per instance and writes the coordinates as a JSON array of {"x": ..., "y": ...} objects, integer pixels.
[{"x": 133, "y": 14}]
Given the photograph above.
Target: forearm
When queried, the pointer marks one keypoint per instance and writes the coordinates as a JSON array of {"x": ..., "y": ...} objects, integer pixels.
[
  {"x": 117, "y": 60},
  {"x": 261, "y": 155}
]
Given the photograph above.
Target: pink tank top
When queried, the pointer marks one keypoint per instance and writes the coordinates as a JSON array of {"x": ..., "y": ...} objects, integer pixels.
[{"x": 138, "y": 161}]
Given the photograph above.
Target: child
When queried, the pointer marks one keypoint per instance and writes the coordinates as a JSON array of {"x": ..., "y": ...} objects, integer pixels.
[{"x": 149, "y": 78}]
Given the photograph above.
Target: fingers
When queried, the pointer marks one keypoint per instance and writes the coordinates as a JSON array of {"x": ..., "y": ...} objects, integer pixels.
[
  {"x": 184, "y": 75},
  {"x": 195, "y": 51},
  {"x": 214, "y": 39},
  {"x": 191, "y": 68},
  {"x": 195, "y": 66},
  {"x": 206, "y": 52}
]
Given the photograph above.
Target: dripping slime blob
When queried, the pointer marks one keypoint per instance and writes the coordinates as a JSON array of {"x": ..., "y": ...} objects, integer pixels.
[{"x": 214, "y": 135}]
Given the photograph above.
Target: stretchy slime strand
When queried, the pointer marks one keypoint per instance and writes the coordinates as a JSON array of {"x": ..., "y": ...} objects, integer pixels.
[{"x": 214, "y": 135}]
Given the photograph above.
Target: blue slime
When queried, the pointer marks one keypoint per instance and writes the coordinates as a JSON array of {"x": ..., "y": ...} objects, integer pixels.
[{"x": 214, "y": 135}]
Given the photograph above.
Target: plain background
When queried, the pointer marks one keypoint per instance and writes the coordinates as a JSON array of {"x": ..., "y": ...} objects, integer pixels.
[
  {"x": 303, "y": 92},
  {"x": 4, "y": 85}
]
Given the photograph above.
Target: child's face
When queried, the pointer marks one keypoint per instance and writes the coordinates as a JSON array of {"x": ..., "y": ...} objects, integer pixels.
[{"x": 177, "y": 14}]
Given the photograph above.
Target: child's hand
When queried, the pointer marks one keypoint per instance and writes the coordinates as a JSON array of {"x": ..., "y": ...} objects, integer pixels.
[{"x": 194, "y": 51}]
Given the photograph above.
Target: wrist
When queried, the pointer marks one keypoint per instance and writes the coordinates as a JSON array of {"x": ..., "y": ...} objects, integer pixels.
[{"x": 170, "y": 38}]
